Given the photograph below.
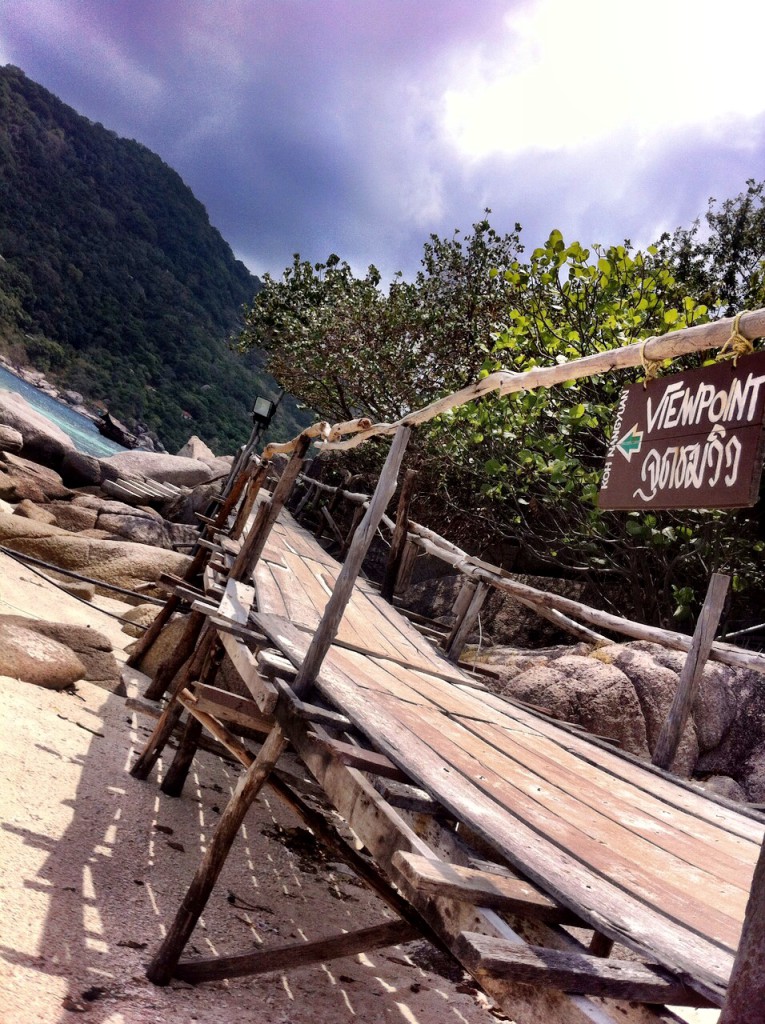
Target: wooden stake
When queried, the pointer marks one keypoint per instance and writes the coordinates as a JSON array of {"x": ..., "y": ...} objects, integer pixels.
[
  {"x": 171, "y": 715},
  {"x": 253, "y": 489},
  {"x": 268, "y": 512},
  {"x": 399, "y": 536},
  {"x": 461, "y": 630},
  {"x": 688, "y": 684},
  {"x": 333, "y": 612},
  {"x": 198, "y": 562},
  {"x": 175, "y": 780}
]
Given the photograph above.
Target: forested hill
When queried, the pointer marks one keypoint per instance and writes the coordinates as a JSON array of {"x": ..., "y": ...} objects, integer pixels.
[{"x": 112, "y": 279}]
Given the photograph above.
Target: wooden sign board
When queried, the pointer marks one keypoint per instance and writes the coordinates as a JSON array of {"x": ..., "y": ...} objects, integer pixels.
[{"x": 692, "y": 440}]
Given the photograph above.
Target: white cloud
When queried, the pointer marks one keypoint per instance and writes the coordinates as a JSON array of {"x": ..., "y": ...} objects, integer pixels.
[{"x": 572, "y": 74}]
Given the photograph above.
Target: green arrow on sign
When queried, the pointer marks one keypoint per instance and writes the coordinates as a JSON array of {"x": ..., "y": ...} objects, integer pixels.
[{"x": 631, "y": 443}]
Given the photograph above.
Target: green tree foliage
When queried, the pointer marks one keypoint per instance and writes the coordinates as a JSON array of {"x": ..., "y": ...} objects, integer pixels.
[
  {"x": 513, "y": 478},
  {"x": 349, "y": 348},
  {"x": 112, "y": 278}
]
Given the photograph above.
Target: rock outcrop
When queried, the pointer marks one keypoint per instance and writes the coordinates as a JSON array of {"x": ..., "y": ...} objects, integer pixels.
[
  {"x": 167, "y": 469},
  {"x": 44, "y": 442}
]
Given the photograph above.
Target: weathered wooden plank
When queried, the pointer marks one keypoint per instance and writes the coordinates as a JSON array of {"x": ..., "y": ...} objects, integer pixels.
[
  {"x": 654, "y": 876},
  {"x": 228, "y": 707},
  {"x": 291, "y": 957},
  {"x": 629, "y": 807},
  {"x": 237, "y": 601},
  {"x": 245, "y": 662},
  {"x": 575, "y": 972},
  {"x": 482, "y": 888},
  {"x": 384, "y": 831},
  {"x": 675, "y": 792},
  {"x": 606, "y": 907},
  {"x": 365, "y": 760}
]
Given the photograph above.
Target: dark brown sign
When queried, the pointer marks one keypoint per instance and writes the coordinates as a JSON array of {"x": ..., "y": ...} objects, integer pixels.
[{"x": 692, "y": 440}]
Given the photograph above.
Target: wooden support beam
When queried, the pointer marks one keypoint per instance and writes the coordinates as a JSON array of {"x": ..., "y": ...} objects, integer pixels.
[
  {"x": 230, "y": 708},
  {"x": 364, "y": 760},
  {"x": 690, "y": 676},
  {"x": 164, "y": 963},
  {"x": 399, "y": 536},
  {"x": 291, "y": 957},
  {"x": 177, "y": 773},
  {"x": 248, "y": 501},
  {"x": 745, "y": 1002},
  {"x": 267, "y": 514},
  {"x": 483, "y": 889},
  {"x": 329, "y": 520},
  {"x": 312, "y": 712},
  {"x": 333, "y": 612},
  {"x": 575, "y": 973},
  {"x": 263, "y": 691},
  {"x": 358, "y": 515},
  {"x": 457, "y": 639}
]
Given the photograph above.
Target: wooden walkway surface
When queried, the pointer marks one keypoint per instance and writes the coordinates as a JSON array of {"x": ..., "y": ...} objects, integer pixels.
[{"x": 645, "y": 860}]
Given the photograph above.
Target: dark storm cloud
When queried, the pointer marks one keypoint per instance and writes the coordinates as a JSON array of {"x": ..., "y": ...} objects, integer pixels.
[{"x": 319, "y": 127}]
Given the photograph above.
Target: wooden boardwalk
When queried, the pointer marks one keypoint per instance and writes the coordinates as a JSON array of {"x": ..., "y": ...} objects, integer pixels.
[{"x": 644, "y": 860}]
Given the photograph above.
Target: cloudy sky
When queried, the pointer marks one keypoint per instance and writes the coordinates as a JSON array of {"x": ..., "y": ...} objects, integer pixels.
[{"x": 361, "y": 126}]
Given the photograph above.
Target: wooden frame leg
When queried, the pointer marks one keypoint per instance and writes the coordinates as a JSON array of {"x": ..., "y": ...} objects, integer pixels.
[
  {"x": 172, "y": 713},
  {"x": 177, "y": 773},
  {"x": 165, "y": 961}
]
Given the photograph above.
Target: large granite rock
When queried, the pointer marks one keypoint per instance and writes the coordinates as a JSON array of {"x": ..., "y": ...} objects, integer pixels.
[
  {"x": 195, "y": 448},
  {"x": 44, "y": 442},
  {"x": 20, "y": 478},
  {"x": 121, "y": 563},
  {"x": 589, "y": 693},
  {"x": 27, "y": 654},
  {"x": 92, "y": 649},
  {"x": 11, "y": 439},
  {"x": 80, "y": 470},
  {"x": 167, "y": 469}
]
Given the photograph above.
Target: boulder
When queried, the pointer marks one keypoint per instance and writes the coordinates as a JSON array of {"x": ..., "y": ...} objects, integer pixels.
[
  {"x": 726, "y": 787},
  {"x": 26, "y": 654},
  {"x": 44, "y": 442},
  {"x": 73, "y": 517},
  {"x": 184, "y": 507},
  {"x": 139, "y": 617},
  {"x": 589, "y": 693},
  {"x": 11, "y": 439},
  {"x": 195, "y": 448},
  {"x": 118, "y": 562},
  {"x": 163, "y": 647},
  {"x": 655, "y": 686},
  {"x": 137, "y": 527},
  {"x": 72, "y": 397},
  {"x": 80, "y": 470},
  {"x": 167, "y": 469},
  {"x": 21, "y": 475},
  {"x": 29, "y": 510},
  {"x": 111, "y": 427},
  {"x": 93, "y": 649}
]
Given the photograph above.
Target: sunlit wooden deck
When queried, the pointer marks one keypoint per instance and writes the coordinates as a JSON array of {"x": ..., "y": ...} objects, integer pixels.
[{"x": 643, "y": 859}]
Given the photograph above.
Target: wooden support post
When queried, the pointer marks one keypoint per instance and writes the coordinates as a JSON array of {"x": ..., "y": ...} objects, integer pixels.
[
  {"x": 399, "y": 536},
  {"x": 333, "y": 612},
  {"x": 171, "y": 715},
  {"x": 461, "y": 630},
  {"x": 706, "y": 627},
  {"x": 164, "y": 963},
  {"x": 175, "y": 780},
  {"x": 268, "y": 512},
  {"x": 358, "y": 515},
  {"x": 745, "y": 1002},
  {"x": 175, "y": 661},
  {"x": 198, "y": 562},
  {"x": 406, "y": 567},
  {"x": 301, "y": 954},
  {"x": 253, "y": 488}
]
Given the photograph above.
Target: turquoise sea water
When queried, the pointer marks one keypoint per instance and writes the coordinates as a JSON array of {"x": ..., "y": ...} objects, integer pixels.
[{"x": 82, "y": 431}]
